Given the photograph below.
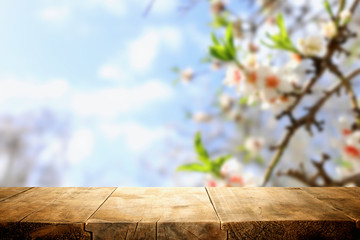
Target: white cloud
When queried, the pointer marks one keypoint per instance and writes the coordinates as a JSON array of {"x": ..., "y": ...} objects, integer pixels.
[
  {"x": 55, "y": 13},
  {"x": 110, "y": 102},
  {"x": 16, "y": 94},
  {"x": 117, "y": 7},
  {"x": 111, "y": 72},
  {"x": 164, "y": 7},
  {"x": 81, "y": 145},
  {"x": 144, "y": 50},
  {"x": 136, "y": 136},
  {"x": 171, "y": 37}
]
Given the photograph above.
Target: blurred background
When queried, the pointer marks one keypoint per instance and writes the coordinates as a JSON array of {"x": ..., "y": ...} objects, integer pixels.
[
  {"x": 86, "y": 95},
  {"x": 112, "y": 92}
]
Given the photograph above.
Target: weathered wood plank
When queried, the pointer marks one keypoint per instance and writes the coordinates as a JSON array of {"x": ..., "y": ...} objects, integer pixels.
[
  {"x": 75, "y": 206},
  {"x": 346, "y": 200},
  {"x": 7, "y": 192},
  {"x": 162, "y": 213},
  {"x": 50, "y": 213},
  {"x": 278, "y": 213},
  {"x": 180, "y": 213},
  {"x": 18, "y": 207},
  {"x": 333, "y": 192}
]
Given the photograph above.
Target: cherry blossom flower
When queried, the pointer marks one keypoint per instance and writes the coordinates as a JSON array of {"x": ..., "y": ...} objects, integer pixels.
[
  {"x": 234, "y": 76},
  {"x": 232, "y": 175},
  {"x": 217, "y": 7},
  {"x": 201, "y": 117},
  {"x": 254, "y": 145},
  {"x": 226, "y": 102},
  {"x": 236, "y": 116},
  {"x": 312, "y": 46},
  {"x": 329, "y": 29},
  {"x": 187, "y": 75},
  {"x": 216, "y": 65},
  {"x": 345, "y": 126},
  {"x": 345, "y": 16},
  {"x": 351, "y": 149},
  {"x": 211, "y": 181},
  {"x": 251, "y": 62}
]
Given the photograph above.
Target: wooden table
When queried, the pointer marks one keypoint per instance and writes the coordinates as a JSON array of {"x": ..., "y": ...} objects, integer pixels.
[{"x": 179, "y": 213}]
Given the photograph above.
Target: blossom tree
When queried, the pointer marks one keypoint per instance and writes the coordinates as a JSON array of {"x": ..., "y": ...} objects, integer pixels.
[{"x": 290, "y": 68}]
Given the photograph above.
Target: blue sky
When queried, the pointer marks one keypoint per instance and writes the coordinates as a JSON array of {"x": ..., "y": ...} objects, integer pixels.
[{"x": 107, "y": 68}]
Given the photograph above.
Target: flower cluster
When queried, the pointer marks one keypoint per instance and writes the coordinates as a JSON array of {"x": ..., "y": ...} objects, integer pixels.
[
  {"x": 261, "y": 82},
  {"x": 232, "y": 175},
  {"x": 351, "y": 146}
]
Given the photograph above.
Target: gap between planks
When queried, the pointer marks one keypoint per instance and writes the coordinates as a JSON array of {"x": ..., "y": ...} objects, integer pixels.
[
  {"x": 84, "y": 223},
  {"x": 25, "y": 190},
  {"x": 40, "y": 208},
  {"x": 217, "y": 215}
]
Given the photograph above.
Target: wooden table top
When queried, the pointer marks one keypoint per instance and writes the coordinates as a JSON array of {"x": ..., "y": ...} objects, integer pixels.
[{"x": 179, "y": 213}]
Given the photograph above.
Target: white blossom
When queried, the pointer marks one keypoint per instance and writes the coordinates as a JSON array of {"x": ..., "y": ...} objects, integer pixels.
[
  {"x": 329, "y": 29},
  {"x": 234, "y": 76},
  {"x": 251, "y": 62},
  {"x": 312, "y": 46},
  {"x": 201, "y": 117},
  {"x": 226, "y": 101},
  {"x": 345, "y": 126},
  {"x": 254, "y": 145},
  {"x": 187, "y": 75},
  {"x": 212, "y": 181},
  {"x": 345, "y": 16}
]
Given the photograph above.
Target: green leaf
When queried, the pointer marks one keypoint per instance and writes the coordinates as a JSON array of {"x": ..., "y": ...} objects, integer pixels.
[
  {"x": 175, "y": 81},
  {"x": 206, "y": 59},
  {"x": 175, "y": 69},
  {"x": 220, "y": 21},
  {"x": 259, "y": 160},
  {"x": 342, "y": 4},
  {"x": 188, "y": 114},
  {"x": 328, "y": 8},
  {"x": 282, "y": 39},
  {"x": 221, "y": 160},
  {"x": 194, "y": 167},
  {"x": 220, "y": 53},
  {"x": 214, "y": 39},
  {"x": 229, "y": 41},
  {"x": 267, "y": 44},
  {"x": 345, "y": 164},
  {"x": 247, "y": 157},
  {"x": 203, "y": 155},
  {"x": 229, "y": 38},
  {"x": 282, "y": 27},
  {"x": 242, "y": 148},
  {"x": 217, "y": 164},
  {"x": 243, "y": 100}
]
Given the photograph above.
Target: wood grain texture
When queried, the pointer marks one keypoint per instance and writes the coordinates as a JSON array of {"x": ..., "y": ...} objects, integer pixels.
[
  {"x": 179, "y": 213},
  {"x": 50, "y": 213},
  {"x": 156, "y": 213},
  {"x": 346, "y": 200},
  {"x": 278, "y": 213},
  {"x": 7, "y": 192}
]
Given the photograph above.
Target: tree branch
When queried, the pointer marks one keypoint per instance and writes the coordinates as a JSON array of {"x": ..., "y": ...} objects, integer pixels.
[{"x": 308, "y": 120}]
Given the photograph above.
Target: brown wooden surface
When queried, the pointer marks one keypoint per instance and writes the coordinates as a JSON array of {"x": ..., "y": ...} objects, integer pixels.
[
  {"x": 179, "y": 213},
  {"x": 11, "y": 191},
  {"x": 50, "y": 213},
  {"x": 346, "y": 200},
  {"x": 279, "y": 213},
  {"x": 156, "y": 213}
]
